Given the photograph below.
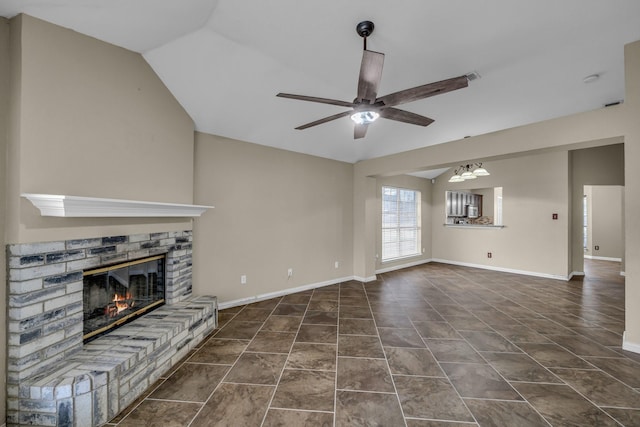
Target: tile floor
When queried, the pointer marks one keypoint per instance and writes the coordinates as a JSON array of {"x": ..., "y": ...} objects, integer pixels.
[{"x": 434, "y": 345}]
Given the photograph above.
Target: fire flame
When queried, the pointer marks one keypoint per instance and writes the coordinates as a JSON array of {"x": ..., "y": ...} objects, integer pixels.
[{"x": 122, "y": 302}]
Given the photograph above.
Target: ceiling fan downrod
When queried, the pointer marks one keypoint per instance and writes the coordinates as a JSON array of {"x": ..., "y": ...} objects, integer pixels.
[{"x": 364, "y": 30}]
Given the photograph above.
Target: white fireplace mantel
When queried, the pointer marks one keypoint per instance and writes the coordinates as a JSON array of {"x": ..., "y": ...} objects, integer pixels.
[{"x": 78, "y": 207}]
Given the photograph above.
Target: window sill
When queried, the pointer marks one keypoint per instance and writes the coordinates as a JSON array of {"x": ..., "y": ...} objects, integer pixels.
[{"x": 402, "y": 258}]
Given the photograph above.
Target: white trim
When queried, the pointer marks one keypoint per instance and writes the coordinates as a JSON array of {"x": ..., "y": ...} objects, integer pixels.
[
  {"x": 603, "y": 258},
  {"x": 575, "y": 273},
  {"x": 288, "y": 291},
  {"x": 399, "y": 267},
  {"x": 400, "y": 258},
  {"x": 74, "y": 206},
  {"x": 504, "y": 270},
  {"x": 629, "y": 346},
  {"x": 365, "y": 279}
]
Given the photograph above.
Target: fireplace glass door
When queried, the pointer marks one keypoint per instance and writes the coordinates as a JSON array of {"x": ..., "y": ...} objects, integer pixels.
[{"x": 116, "y": 294}]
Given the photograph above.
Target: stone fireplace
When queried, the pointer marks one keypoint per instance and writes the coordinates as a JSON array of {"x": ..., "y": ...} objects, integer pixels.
[{"x": 55, "y": 378}]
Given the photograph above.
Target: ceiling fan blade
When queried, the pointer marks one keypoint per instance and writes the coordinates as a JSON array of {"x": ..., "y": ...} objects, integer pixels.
[
  {"x": 370, "y": 74},
  {"x": 325, "y": 120},
  {"x": 405, "y": 116},
  {"x": 424, "y": 91},
  {"x": 360, "y": 130},
  {"x": 316, "y": 99}
]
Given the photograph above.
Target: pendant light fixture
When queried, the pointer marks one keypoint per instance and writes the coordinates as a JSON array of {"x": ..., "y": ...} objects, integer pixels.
[{"x": 468, "y": 171}]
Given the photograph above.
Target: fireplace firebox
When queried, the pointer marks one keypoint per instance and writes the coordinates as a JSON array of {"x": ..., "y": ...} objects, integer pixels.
[{"x": 116, "y": 294}]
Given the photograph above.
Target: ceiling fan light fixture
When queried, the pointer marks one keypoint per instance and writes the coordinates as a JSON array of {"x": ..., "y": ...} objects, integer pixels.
[
  {"x": 456, "y": 178},
  {"x": 368, "y": 106},
  {"x": 364, "y": 117}
]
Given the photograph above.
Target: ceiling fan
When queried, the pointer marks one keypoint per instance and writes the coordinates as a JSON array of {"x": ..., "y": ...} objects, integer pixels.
[{"x": 367, "y": 107}]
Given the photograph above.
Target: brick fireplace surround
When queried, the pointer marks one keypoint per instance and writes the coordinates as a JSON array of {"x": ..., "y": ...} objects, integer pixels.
[{"x": 55, "y": 380}]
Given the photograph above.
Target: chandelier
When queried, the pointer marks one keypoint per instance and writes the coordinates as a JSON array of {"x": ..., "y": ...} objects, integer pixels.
[{"x": 468, "y": 171}]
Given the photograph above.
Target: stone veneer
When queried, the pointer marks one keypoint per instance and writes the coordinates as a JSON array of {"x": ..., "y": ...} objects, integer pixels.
[{"x": 53, "y": 379}]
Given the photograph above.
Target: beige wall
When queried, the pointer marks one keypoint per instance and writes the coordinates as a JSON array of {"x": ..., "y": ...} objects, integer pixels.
[
  {"x": 4, "y": 112},
  {"x": 411, "y": 183},
  {"x": 632, "y": 194},
  {"x": 274, "y": 210},
  {"x": 91, "y": 119},
  {"x": 572, "y": 132},
  {"x": 588, "y": 194},
  {"x": 606, "y": 221},
  {"x": 531, "y": 240},
  {"x": 488, "y": 196},
  {"x": 591, "y": 166}
]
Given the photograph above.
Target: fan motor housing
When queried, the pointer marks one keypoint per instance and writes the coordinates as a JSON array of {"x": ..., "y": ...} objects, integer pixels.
[{"x": 365, "y": 28}]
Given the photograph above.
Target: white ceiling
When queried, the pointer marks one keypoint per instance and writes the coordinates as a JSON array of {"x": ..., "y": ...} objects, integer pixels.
[{"x": 224, "y": 60}]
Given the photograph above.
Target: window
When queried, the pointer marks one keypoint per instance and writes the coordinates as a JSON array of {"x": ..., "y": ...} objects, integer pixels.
[{"x": 400, "y": 223}]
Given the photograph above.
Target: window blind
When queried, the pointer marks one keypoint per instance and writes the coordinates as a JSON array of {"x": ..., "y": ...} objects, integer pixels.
[{"x": 400, "y": 223}]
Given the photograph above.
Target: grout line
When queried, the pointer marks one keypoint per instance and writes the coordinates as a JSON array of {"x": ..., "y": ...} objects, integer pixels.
[
  {"x": 301, "y": 410},
  {"x": 284, "y": 365},
  {"x": 386, "y": 359},
  {"x": 335, "y": 382},
  {"x": 226, "y": 374},
  {"x": 174, "y": 400}
]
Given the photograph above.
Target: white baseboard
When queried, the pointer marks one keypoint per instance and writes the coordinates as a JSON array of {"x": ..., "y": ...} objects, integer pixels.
[
  {"x": 364, "y": 279},
  {"x": 262, "y": 297},
  {"x": 269, "y": 295},
  {"x": 575, "y": 273},
  {"x": 503, "y": 270},
  {"x": 603, "y": 258},
  {"x": 400, "y": 267},
  {"x": 629, "y": 346}
]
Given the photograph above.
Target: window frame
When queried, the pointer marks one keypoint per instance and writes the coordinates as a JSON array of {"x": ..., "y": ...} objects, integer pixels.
[{"x": 400, "y": 229}]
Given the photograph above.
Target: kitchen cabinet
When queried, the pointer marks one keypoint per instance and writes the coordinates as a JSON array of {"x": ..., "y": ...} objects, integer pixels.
[{"x": 457, "y": 202}]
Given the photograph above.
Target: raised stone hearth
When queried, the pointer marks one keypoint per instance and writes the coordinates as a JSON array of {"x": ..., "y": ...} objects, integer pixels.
[{"x": 55, "y": 380}]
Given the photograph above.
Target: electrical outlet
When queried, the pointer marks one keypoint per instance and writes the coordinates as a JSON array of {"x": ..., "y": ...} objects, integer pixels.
[
  {"x": 597, "y": 248},
  {"x": 336, "y": 264},
  {"x": 489, "y": 255},
  {"x": 243, "y": 280},
  {"x": 290, "y": 272}
]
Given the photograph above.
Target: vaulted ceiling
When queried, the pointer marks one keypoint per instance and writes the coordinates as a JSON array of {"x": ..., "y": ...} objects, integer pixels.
[{"x": 225, "y": 60}]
